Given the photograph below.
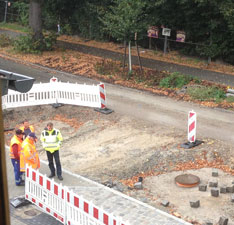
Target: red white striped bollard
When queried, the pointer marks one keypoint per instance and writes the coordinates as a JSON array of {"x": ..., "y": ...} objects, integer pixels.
[
  {"x": 192, "y": 123},
  {"x": 102, "y": 95}
]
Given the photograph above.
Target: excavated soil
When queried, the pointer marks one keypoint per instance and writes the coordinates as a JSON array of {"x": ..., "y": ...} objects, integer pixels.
[{"x": 115, "y": 150}]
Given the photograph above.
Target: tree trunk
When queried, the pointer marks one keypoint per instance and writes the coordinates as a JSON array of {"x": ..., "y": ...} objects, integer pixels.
[{"x": 35, "y": 18}]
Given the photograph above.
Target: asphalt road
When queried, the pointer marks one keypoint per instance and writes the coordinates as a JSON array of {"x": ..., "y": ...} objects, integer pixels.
[{"x": 160, "y": 111}]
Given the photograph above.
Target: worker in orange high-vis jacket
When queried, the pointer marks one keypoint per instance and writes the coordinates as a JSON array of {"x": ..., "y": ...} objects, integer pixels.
[
  {"x": 15, "y": 149},
  {"x": 29, "y": 154},
  {"x": 27, "y": 128}
]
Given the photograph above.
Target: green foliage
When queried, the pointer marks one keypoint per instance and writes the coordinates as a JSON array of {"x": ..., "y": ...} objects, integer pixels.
[
  {"x": 204, "y": 93},
  {"x": 66, "y": 29},
  {"x": 5, "y": 40},
  {"x": 23, "y": 12},
  {"x": 125, "y": 18},
  {"x": 27, "y": 44},
  {"x": 175, "y": 80}
]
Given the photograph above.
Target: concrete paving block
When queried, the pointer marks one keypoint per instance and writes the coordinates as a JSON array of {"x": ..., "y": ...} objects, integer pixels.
[
  {"x": 138, "y": 186},
  {"x": 165, "y": 203},
  {"x": 230, "y": 189},
  {"x": 202, "y": 187},
  {"x": 232, "y": 198},
  {"x": 213, "y": 183},
  {"x": 215, "y": 173},
  {"x": 214, "y": 192},
  {"x": 223, "y": 220},
  {"x": 195, "y": 203},
  {"x": 223, "y": 189}
]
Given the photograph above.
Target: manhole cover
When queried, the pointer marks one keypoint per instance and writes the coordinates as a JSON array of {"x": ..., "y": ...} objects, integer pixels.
[
  {"x": 30, "y": 212},
  {"x": 187, "y": 180}
]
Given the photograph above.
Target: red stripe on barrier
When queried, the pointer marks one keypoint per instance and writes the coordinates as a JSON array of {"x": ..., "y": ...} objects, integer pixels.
[
  {"x": 95, "y": 213},
  {"x": 48, "y": 210},
  {"x": 69, "y": 223},
  {"x": 55, "y": 215},
  {"x": 68, "y": 196},
  {"x": 191, "y": 114},
  {"x": 102, "y": 95},
  {"x": 56, "y": 189},
  {"x": 62, "y": 194},
  {"x": 114, "y": 222},
  {"x": 40, "y": 205},
  {"x": 191, "y": 126},
  {"x": 103, "y": 106},
  {"x": 33, "y": 176},
  {"x": 76, "y": 202},
  {"x": 102, "y": 85},
  {"x": 41, "y": 180},
  {"x": 26, "y": 196},
  {"x": 86, "y": 207},
  {"x": 105, "y": 219},
  {"x": 48, "y": 185},
  {"x": 34, "y": 200},
  {"x": 27, "y": 172}
]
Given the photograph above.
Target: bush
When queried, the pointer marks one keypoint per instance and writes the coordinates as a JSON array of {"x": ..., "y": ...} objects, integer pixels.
[
  {"x": 175, "y": 80},
  {"x": 204, "y": 93},
  {"x": 5, "y": 40},
  {"x": 27, "y": 44}
]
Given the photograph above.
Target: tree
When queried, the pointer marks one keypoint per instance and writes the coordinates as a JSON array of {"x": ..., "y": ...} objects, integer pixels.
[
  {"x": 124, "y": 19},
  {"x": 35, "y": 21}
]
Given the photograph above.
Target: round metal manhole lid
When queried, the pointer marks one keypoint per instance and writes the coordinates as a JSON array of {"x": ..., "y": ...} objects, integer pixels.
[
  {"x": 30, "y": 212},
  {"x": 187, "y": 180}
]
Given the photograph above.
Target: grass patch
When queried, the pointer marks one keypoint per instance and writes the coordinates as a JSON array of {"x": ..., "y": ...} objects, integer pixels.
[
  {"x": 204, "y": 93},
  {"x": 15, "y": 27},
  {"x": 230, "y": 99},
  {"x": 175, "y": 80}
]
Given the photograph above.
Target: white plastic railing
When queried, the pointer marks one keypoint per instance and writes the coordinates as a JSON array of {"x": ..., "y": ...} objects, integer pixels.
[
  {"x": 56, "y": 92},
  {"x": 62, "y": 203}
]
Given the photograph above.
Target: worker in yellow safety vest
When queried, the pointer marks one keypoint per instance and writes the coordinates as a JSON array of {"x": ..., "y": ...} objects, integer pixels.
[
  {"x": 15, "y": 149},
  {"x": 29, "y": 154},
  {"x": 51, "y": 139},
  {"x": 27, "y": 128}
]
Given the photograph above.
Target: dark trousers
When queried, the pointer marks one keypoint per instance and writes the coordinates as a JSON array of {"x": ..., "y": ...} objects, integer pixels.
[
  {"x": 16, "y": 165},
  {"x": 50, "y": 157}
]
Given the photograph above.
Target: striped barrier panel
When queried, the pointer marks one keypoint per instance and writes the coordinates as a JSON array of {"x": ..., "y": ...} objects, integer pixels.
[
  {"x": 192, "y": 123},
  {"x": 45, "y": 193},
  {"x": 63, "y": 204},
  {"x": 57, "y": 92},
  {"x": 80, "y": 211}
]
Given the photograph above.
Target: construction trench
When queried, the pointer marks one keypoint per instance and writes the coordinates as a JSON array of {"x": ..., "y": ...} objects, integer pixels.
[{"x": 118, "y": 151}]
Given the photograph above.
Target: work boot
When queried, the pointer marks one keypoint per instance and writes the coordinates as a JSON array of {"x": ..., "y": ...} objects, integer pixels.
[
  {"x": 51, "y": 175},
  {"x": 60, "y": 177}
]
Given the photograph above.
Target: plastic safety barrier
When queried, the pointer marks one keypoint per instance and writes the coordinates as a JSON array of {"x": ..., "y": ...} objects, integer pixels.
[
  {"x": 57, "y": 92},
  {"x": 62, "y": 203}
]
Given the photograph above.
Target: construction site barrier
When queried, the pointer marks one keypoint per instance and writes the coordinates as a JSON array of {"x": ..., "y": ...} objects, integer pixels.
[
  {"x": 57, "y": 92},
  {"x": 63, "y": 204},
  {"x": 192, "y": 122}
]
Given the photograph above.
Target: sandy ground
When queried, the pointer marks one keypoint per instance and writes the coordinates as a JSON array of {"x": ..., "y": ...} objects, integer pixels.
[{"x": 115, "y": 148}]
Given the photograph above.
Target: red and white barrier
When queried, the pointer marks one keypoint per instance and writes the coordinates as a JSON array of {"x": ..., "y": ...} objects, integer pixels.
[
  {"x": 192, "y": 123},
  {"x": 45, "y": 193},
  {"x": 62, "y": 203},
  {"x": 57, "y": 92},
  {"x": 102, "y": 95}
]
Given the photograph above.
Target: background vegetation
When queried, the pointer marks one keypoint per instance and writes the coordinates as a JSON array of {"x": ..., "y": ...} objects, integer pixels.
[{"x": 209, "y": 24}]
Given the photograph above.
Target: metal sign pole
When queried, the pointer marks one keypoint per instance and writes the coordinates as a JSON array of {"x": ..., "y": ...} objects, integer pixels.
[
  {"x": 5, "y": 11},
  {"x": 165, "y": 45}
]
